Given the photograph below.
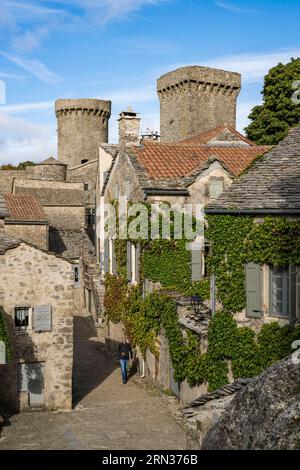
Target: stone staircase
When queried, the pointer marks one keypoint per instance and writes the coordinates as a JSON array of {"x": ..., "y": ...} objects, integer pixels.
[{"x": 98, "y": 292}]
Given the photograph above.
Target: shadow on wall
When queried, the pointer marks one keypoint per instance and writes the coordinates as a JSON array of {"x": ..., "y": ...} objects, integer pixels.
[
  {"x": 56, "y": 243},
  {"x": 22, "y": 372},
  {"x": 92, "y": 362}
]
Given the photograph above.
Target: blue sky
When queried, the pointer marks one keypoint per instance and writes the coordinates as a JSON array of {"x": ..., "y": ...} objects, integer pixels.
[{"x": 116, "y": 49}]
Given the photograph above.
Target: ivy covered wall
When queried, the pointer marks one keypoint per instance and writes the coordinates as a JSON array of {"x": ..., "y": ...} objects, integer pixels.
[{"x": 234, "y": 242}]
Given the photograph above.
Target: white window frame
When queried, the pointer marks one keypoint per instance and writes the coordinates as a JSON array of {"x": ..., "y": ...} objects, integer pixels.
[{"x": 30, "y": 319}]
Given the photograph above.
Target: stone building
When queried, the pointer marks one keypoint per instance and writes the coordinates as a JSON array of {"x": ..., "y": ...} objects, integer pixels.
[
  {"x": 269, "y": 189},
  {"x": 82, "y": 127},
  {"x": 196, "y": 99},
  {"x": 37, "y": 298},
  {"x": 27, "y": 220}
]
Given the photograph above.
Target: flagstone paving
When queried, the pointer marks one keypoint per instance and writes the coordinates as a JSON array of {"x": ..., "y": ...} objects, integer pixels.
[{"x": 106, "y": 414}]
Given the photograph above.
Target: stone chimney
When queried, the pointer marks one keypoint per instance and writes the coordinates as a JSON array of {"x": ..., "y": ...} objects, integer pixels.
[{"x": 129, "y": 127}]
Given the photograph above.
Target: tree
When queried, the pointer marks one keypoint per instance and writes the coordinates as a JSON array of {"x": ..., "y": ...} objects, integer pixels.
[
  {"x": 21, "y": 166},
  {"x": 272, "y": 120}
]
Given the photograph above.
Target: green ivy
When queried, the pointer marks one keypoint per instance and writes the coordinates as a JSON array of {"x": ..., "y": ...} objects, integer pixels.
[{"x": 4, "y": 333}]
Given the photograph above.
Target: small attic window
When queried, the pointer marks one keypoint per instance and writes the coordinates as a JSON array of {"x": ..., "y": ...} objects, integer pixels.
[
  {"x": 85, "y": 160},
  {"x": 86, "y": 186},
  {"x": 216, "y": 187}
]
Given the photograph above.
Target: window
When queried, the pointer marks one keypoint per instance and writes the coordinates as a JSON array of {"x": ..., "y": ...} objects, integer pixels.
[
  {"x": 279, "y": 292},
  {"x": 76, "y": 275},
  {"x": 128, "y": 188},
  {"x": 22, "y": 318},
  {"x": 216, "y": 187},
  {"x": 86, "y": 186},
  {"x": 206, "y": 253},
  {"x": 90, "y": 216},
  {"x": 116, "y": 191},
  {"x": 85, "y": 160}
]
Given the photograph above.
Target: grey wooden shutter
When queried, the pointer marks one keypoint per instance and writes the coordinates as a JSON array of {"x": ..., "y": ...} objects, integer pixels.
[
  {"x": 129, "y": 264},
  {"x": 106, "y": 255},
  {"x": 215, "y": 188},
  {"x": 254, "y": 290},
  {"x": 42, "y": 318},
  {"x": 137, "y": 262},
  {"x": 2, "y": 353},
  {"x": 293, "y": 294},
  {"x": 196, "y": 265},
  {"x": 113, "y": 258}
]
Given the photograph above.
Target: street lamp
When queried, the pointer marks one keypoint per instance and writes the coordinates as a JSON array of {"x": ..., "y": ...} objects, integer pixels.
[{"x": 196, "y": 303}]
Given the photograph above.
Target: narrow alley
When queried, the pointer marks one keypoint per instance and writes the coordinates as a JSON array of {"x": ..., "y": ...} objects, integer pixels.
[{"x": 106, "y": 413}]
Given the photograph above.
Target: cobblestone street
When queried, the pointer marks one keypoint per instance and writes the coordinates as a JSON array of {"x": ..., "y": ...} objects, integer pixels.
[{"x": 107, "y": 414}]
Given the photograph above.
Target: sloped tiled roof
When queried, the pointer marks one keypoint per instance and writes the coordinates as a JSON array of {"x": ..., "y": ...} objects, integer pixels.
[
  {"x": 7, "y": 243},
  {"x": 176, "y": 164},
  {"x": 206, "y": 137},
  {"x": 272, "y": 183},
  {"x": 24, "y": 207}
]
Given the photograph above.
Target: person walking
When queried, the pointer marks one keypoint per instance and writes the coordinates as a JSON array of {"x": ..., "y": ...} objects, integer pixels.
[{"x": 125, "y": 352}]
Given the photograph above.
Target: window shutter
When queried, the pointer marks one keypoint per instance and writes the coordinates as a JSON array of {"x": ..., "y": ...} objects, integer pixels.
[
  {"x": 137, "y": 262},
  {"x": 106, "y": 255},
  {"x": 113, "y": 258},
  {"x": 129, "y": 264},
  {"x": 215, "y": 188},
  {"x": 254, "y": 290},
  {"x": 2, "y": 353},
  {"x": 293, "y": 294},
  {"x": 196, "y": 265},
  {"x": 42, "y": 318}
]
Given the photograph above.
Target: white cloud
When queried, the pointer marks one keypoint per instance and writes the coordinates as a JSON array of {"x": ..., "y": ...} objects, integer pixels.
[
  {"x": 26, "y": 107},
  {"x": 34, "y": 67},
  {"x": 253, "y": 66},
  {"x": 235, "y": 9},
  {"x": 29, "y": 40},
  {"x": 22, "y": 140}
]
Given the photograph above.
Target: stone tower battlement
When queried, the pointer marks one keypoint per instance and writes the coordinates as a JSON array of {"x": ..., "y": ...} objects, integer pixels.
[
  {"x": 82, "y": 127},
  {"x": 196, "y": 99}
]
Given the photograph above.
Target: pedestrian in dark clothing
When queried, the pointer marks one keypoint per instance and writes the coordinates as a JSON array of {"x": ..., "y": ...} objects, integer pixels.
[{"x": 125, "y": 352}]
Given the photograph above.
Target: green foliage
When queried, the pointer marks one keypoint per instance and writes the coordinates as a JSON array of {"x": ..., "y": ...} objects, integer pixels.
[
  {"x": 249, "y": 353},
  {"x": 4, "y": 333},
  {"x": 238, "y": 240},
  {"x": 20, "y": 166},
  {"x": 272, "y": 120}
]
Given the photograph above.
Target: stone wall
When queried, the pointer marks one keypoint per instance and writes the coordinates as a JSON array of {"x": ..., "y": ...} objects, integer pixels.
[
  {"x": 196, "y": 99},
  {"x": 7, "y": 179},
  {"x": 36, "y": 234},
  {"x": 67, "y": 217},
  {"x": 82, "y": 127},
  {"x": 87, "y": 174},
  {"x": 30, "y": 277}
]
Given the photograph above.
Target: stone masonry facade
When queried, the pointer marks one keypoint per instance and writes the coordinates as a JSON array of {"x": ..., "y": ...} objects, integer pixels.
[
  {"x": 196, "y": 99},
  {"x": 30, "y": 277}
]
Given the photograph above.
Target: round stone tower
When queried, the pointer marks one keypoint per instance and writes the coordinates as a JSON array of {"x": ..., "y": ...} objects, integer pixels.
[
  {"x": 82, "y": 127},
  {"x": 196, "y": 99}
]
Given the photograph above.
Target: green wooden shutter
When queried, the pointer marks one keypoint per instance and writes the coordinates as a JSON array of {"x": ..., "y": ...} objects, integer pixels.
[
  {"x": 113, "y": 258},
  {"x": 106, "y": 256},
  {"x": 254, "y": 290},
  {"x": 293, "y": 294},
  {"x": 137, "y": 262},
  {"x": 129, "y": 264},
  {"x": 196, "y": 265}
]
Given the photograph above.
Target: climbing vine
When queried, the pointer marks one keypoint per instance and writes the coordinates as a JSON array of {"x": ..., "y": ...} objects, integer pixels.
[
  {"x": 239, "y": 240},
  {"x": 234, "y": 242},
  {"x": 3, "y": 333}
]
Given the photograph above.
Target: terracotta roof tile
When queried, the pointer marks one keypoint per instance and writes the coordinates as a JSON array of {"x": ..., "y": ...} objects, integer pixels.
[
  {"x": 24, "y": 207},
  {"x": 172, "y": 162}
]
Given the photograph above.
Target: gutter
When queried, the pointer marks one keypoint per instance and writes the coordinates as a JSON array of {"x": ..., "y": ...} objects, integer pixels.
[
  {"x": 166, "y": 192},
  {"x": 26, "y": 222},
  {"x": 252, "y": 211}
]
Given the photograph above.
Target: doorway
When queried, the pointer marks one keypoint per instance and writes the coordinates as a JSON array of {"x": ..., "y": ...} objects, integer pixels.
[{"x": 31, "y": 380}]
